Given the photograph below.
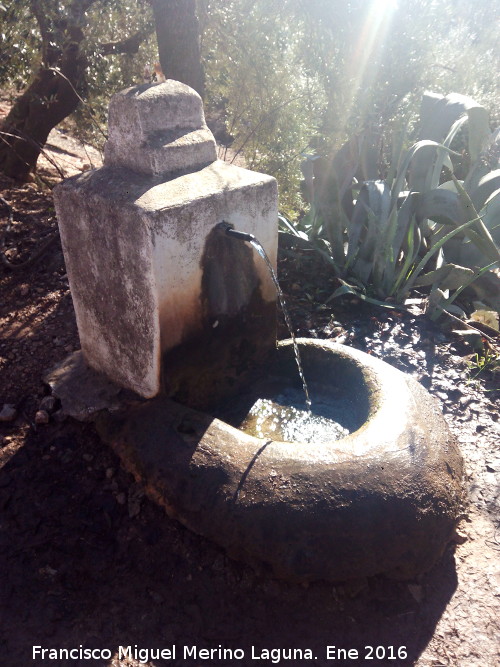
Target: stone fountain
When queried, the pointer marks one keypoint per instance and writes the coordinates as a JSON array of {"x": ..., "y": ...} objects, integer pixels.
[{"x": 176, "y": 319}]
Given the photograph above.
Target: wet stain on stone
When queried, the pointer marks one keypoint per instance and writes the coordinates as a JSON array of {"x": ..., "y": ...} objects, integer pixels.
[{"x": 238, "y": 331}]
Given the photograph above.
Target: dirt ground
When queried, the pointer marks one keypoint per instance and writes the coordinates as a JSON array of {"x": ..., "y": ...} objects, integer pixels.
[{"x": 87, "y": 562}]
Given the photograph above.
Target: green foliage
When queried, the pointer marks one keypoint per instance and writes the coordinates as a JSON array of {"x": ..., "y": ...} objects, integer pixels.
[
  {"x": 105, "y": 22},
  {"x": 482, "y": 362},
  {"x": 107, "y": 74},
  {"x": 467, "y": 58},
  {"x": 390, "y": 236},
  {"x": 291, "y": 76},
  {"x": 286, "y": 76},
  {"x": 20, "y": 43},
  {"x": 257, "y": 87}
]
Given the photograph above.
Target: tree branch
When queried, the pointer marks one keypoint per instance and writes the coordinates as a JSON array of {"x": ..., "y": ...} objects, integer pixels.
[
  {"x": 128, "y": 45},
  {"x": 43, "y": 25}
]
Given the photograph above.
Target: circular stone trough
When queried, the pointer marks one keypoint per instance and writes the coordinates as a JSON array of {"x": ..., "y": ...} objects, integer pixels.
[{"x": 384, "y": 499}]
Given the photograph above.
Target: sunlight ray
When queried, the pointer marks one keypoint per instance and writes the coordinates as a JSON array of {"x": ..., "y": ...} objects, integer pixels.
[{"x": 368, "y": 45}]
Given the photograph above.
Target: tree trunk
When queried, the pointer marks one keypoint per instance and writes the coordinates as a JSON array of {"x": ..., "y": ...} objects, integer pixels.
[
  {"x": 179, "y": 41},
  {"x": 49, "y": 99}
]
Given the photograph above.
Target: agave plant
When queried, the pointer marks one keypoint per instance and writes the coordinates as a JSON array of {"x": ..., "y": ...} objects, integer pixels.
[{"x": 413, "y": 228}]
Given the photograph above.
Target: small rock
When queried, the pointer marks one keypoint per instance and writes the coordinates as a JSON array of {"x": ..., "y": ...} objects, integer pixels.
[
  {"x": 88, "y": 457},
  {"x": 121, "y": 498},
  {"x": 494, "y": 464},
  {"x": 109, "y": 473},
  {"x": 8, "y": 412},
  {"x": 459, "y": 537},
  {"x": 42, "y": 417},
  {"x": 48, "y": 404},
  {"x": 24, "y": 290},
  {"x": 465, "y": 400}
]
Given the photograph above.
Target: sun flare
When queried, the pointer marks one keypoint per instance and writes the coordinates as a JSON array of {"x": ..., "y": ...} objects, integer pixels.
[
  {"x": 384, "y": 6},
  {"x": 378, "y": 18}
]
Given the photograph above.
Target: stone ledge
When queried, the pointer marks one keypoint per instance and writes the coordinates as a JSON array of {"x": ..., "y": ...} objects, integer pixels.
[{"x": 83, "y": 391}]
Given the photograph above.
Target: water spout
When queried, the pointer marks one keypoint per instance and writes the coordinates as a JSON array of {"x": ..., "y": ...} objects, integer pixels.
[{"x": 236, "y": 234}]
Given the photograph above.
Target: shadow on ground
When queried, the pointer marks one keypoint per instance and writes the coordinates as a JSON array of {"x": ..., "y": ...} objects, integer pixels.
[{"x": 86, "y": 560}]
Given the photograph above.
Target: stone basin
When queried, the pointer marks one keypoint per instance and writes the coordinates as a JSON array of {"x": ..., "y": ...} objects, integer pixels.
[{"x": 384, "y": 499}]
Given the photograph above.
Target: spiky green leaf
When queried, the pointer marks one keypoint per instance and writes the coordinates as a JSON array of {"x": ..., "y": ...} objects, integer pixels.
[{"x": 448, "y": 276}]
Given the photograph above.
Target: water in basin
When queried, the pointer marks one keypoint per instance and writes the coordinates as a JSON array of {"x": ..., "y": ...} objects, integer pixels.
[{"x": 283, "y": 415}]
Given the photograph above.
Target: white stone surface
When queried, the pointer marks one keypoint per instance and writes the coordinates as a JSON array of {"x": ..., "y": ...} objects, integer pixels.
[{"x": 158, "y": 129}]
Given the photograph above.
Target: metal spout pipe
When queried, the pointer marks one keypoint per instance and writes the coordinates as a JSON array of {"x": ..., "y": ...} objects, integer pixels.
[{"x": 228, "y": 229}]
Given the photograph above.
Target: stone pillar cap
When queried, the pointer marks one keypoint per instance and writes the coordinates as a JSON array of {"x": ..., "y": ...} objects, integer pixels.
[{"x": 159, "y": 129}]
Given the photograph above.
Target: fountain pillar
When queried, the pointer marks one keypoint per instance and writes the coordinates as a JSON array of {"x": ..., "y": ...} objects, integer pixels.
[{"x": 153, "y": 283}]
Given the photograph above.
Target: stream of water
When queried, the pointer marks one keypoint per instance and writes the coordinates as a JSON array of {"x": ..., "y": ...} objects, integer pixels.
[{"x": 258, "y": 247}]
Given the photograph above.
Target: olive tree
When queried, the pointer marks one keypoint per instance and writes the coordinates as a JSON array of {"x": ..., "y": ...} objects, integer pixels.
[{"x": 61, "y": 36}]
